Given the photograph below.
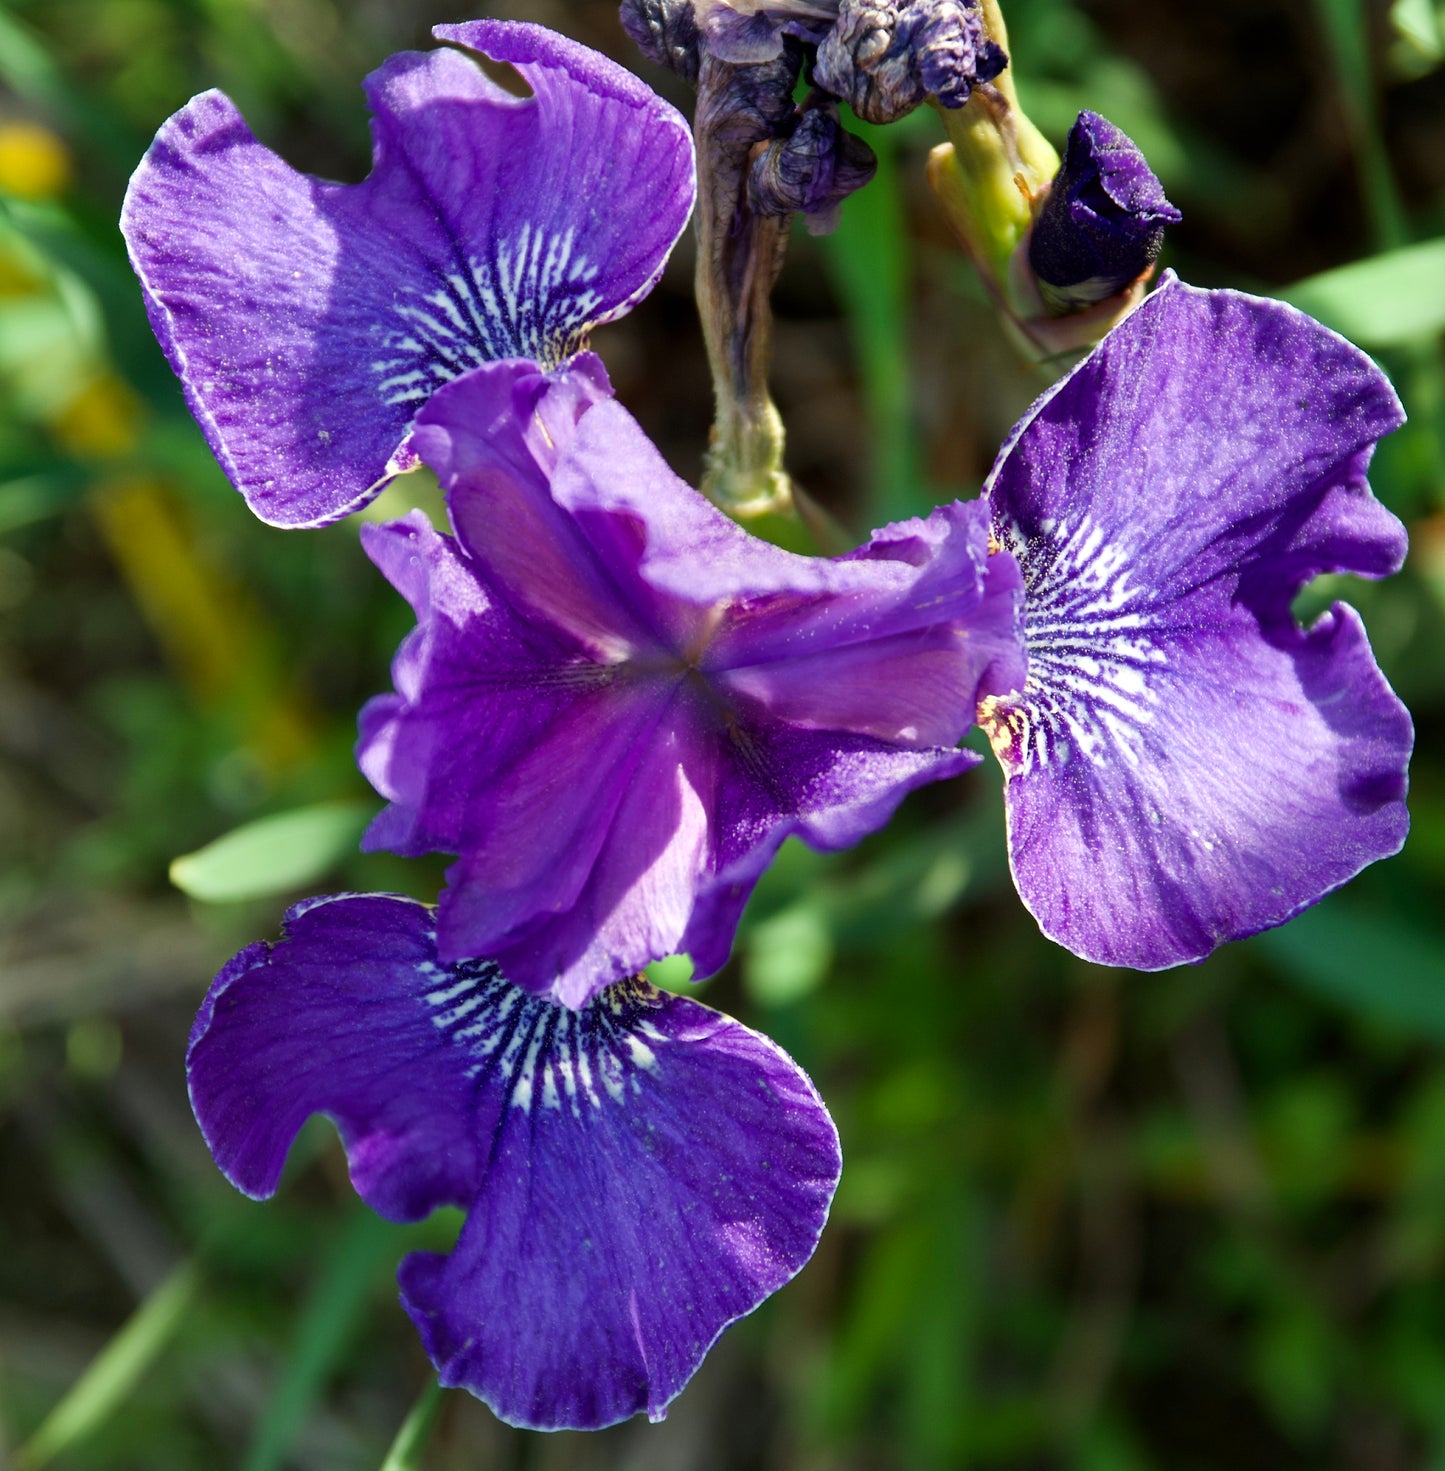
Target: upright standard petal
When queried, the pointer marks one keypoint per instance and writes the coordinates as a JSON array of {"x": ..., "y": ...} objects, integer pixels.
[
  {"x": 618, "y": 704},
  {"x": 1186, "y": 764},
  {"x": 308, "y": 321},
  {"x": 636, "y": 1175}
]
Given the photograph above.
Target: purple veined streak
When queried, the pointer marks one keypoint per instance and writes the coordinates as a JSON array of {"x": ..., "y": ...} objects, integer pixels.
[{"x": 536, "y": 290}]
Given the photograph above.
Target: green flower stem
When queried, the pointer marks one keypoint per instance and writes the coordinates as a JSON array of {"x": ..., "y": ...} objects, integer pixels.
[
  {"x": 739, "y": 257},
  {"x": 999, "y": 168},
  {"x": 991, "y": 177}
]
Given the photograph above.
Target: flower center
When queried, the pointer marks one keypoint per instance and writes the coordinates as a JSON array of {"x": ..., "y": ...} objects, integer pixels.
[{"x": 1092, "y": 655}]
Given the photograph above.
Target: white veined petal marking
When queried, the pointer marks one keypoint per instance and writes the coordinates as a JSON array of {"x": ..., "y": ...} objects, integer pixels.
[
  {"x": 534, "y": 298},
  {"x": 1091, "y": 653},
  {"x": 540, "y": 1053}
]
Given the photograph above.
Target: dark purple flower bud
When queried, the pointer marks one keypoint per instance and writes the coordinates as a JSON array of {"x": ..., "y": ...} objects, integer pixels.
[
  {"x": 812, "y": 170},
  {"x": 665, "y": 31},
  {"x": 884, "y": 57},
  {"x": 1103, "y": 221}
]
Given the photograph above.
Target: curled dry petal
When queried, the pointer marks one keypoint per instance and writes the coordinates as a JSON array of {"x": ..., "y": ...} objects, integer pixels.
[{"x": 885, "y": 57}]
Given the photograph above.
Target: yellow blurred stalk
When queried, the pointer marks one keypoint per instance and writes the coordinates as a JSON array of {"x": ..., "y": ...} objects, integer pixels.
[
  {"x": 217, "y": 641},
  {"x": 211, "y": 635}
]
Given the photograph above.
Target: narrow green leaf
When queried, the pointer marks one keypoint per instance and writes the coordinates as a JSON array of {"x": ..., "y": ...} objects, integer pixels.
[
  {"x": 31, "y": 499},
  {"x": 1372, "y": 962},
  {"x": 1346, "y": 24},
  {"x": 29, "y": 70},
  {"x": 1415, "y": 21},
  {"x": 406, "y": 1450},
  {"x": 1382, "y": 301},
  {"x": 115, "y": 1372},
  {"x": 324, "y": 1334},
  {"x": 273, "y": 855},
  {"x": 869, "y": 258}
]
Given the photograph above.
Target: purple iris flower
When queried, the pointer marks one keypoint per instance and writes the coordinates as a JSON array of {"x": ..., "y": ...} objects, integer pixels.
[
  {"x": 1186, "y": 764},
  {"x": 308, "y": 321},
  {"x": 617, "y": 703},
  {"x": 636, "y": 1174}
]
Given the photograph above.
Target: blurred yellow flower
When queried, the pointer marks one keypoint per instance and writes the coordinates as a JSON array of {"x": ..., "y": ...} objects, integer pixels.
[{"x": 34, "y": 163}]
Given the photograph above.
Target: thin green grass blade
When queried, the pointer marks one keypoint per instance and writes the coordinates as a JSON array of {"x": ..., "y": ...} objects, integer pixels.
[
  {"x": 1385, "y": 300},
  {"x": 1347, "y": 26},
  {"x": 1347, "y": 29},
  {"x": 1395, "y": 302},
  {"x": 29, "y": 70},
  {"x": 1417, "y": 23},
  {"x": 324, "y": 1334},
  {"x": 33, "y": 498},
  {"x": 115, "y": 1372},
  {"x": 1373, "y": 963},
  {"x": 406, "y": 1450},
  {"x": 869, "y": 258}
]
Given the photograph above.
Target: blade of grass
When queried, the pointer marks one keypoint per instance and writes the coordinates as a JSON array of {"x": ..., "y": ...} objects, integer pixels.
[
  {"x": 1373, "y": 963},
  {"x": 1393, "y": 299},
  {"x": 868, "y": 255},
  {"x": 115, "y": 1372},
  {"x": 273, "y": 855},
  {"x": 324, "y": 1334},
  {"x": 32, "y": 73},
  {"x": 406, "y": 1449},
  {"x": 1346, "y": 27},
  {"x": 1416, "y": 23}
]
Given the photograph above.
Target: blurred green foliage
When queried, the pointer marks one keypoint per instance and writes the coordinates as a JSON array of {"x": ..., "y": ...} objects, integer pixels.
[{"x": 1088, "y": 1219}]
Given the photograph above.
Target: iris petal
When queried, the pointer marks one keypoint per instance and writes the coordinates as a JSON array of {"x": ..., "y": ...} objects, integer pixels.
[
  {"x": 636, "y": 1174},
  {"x": 308, "y": 321},
  {"x": 618, "y": 704},
  {"x": 1185, "y": 764}
]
